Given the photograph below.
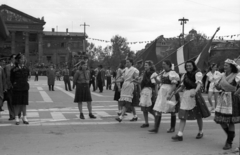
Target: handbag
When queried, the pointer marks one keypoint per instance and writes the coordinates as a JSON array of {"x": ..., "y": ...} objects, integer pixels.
[
  {"x": 170, "y": 106},
  {"x": 200, "y": 102}
]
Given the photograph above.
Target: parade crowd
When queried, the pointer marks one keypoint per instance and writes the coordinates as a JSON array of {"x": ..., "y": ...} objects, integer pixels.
[{"x": 139, "y": 85}]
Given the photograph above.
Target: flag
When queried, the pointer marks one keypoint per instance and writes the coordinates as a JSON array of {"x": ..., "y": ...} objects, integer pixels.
[
  {"x": 203, "y": 58},
  {"x": 180, "y": 56}
]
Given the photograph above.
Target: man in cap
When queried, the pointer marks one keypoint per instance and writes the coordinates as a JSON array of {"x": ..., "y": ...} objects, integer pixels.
[{"x": 8, "y": 93}]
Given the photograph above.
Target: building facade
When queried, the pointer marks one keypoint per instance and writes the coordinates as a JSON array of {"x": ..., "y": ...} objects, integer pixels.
[{"x": 27, "y": 37}]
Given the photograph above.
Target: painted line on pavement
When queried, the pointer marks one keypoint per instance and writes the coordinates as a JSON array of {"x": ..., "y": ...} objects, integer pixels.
[
  {"x": 45, "y": 96},
  {"x": 39, "y": 88},
  {"x": 58, "y": 116}
]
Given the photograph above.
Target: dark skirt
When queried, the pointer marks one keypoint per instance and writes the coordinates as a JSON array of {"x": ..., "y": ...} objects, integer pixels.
[
  {"x": 117, "y": 93},
  {"x": 82, "y": 93},
  {"x": 136, "y": 96},
  {"x": 192, "y": 114},
  {"x": 227, "y": 118},
  {"x": 20, "y": 97}
]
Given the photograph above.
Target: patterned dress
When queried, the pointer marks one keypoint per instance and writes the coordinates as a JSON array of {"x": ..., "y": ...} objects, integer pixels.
[
  {"x": 228, "y": 108},
  {"x": 167, "y": 81},
  {"x": 128, "y": 86}
]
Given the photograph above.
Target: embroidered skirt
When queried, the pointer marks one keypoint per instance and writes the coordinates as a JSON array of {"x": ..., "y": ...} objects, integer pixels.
[{"x": 82, "y": 93}]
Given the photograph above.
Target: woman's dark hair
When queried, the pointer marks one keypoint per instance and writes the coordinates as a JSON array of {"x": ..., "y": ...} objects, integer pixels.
[
  {"x": 130, "y": 60},
  {"x": 212, "y": 65},
  {"x": 168, "y": 62},
  {"x": 122, "y": 64},
  {"x": 193, "y": 64},
  {"x": 150, "y": 63},
  {"x": 233, "y": 68}
]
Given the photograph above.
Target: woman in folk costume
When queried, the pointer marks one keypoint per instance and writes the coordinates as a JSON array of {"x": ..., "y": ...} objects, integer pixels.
[
  {"x": 148, "y": 86},
  {"x": 212, "y": 76},
  {"x": 227, "y": 112},
  {"x": 169, "y": 79},
  {"x": 81, "y": 81},
  {"x": 19, "y": 78},
  {"x": 192, "y": 101},
  {"x": 118, "y": 85},
  {"x": 130, "y": 73}
]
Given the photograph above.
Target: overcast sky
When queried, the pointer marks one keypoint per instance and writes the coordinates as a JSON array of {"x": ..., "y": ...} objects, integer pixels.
[{"x": 136, "y": 20}]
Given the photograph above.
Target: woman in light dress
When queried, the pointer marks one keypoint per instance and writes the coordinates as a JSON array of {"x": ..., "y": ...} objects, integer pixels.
[
  {"x": 168, "y": 80},
  {"x": 227, "y": 112},
  {"x": 129, "y": 75},
  {"x": 212, "y": 76}
]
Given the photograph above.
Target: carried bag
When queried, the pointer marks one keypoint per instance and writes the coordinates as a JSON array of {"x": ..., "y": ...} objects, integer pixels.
[
  {"x": 200, "y": 102},
  {"x": 170, "y": 106}
]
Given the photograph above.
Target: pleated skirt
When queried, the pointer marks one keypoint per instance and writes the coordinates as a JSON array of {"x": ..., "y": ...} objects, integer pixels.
[
  {"x": 82, "y": 93},
  {"x": 20, "y": 97}
]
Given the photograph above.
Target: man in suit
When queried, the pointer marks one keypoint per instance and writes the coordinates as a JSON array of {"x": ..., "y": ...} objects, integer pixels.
[
  {"x": 66, "y": 79},
  {"x": 36, "y": 75},
  {"x": 100, "y": 78},
  {"x": 92, "y": 79}
]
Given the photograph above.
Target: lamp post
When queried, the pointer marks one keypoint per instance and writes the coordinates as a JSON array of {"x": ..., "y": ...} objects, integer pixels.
[
  {"x": 84, "y": 46},
  {"x": 183, "y": 21}
]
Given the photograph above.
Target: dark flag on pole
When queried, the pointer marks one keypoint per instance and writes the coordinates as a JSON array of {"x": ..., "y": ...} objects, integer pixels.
[{"x": 203, "y": 58}]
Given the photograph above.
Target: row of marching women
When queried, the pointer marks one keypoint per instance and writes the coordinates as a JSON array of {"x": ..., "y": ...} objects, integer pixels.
[
  {"x": 160, "y": 94},
  {"x": 14, "y": 88}
]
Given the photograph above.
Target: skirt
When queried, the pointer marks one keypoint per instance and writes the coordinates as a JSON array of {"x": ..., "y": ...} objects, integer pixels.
[
  {"x": 190, "y": 114},
  {"x": 82, "y": 93},
  {"x": 20, "y": 97},
  {"x": 117, "y": 93},
  {"x": 136, "y": 96}
]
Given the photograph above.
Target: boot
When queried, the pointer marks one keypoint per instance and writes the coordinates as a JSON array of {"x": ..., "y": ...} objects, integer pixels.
[
  {"x": 49, "y": 86},
  {"x": 228, "y": 144},
  {"x": 156, "y": 125},
  {"x": 52, "y": 87},
  {"x": 173, "y": 123}
]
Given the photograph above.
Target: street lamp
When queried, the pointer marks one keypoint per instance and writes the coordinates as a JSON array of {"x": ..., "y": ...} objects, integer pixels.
[{"x": 183, "y": 21}]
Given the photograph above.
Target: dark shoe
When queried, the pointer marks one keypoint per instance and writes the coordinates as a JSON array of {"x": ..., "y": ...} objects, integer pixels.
[
  {"x": 134, "y": 119},
  {"x": 145, "y": 126},
  {"x": 92, "y": 116},
  {"x": 199, "y": 136},
  {"x": 171, "y": 130},
  {"x": 82, "y": 116},
  {"x": 17, "y": 123},
  {"x": 227, "y": 146},
  {"x": 25, "y": 122},
  {"x": 118, "y": 119},
  {"x": 11, "y": 118},
  {"x": 177, "y": 138}
]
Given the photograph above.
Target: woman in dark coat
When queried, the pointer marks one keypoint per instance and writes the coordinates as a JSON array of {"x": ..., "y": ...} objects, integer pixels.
[
  {"x": 81, "y": 81},
  {"x": 19, "y": 79},
  {"x": 51, "y": 73}
]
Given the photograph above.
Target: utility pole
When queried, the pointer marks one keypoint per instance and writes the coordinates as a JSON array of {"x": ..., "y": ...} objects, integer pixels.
[
  {"x": 84, "y": 47},
  {"x": 183, "y": 21}
]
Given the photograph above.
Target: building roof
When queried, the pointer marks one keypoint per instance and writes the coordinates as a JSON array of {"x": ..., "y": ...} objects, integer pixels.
[
  {"x": 50, "y": 33},
  {"x": 4, "y": 33}
]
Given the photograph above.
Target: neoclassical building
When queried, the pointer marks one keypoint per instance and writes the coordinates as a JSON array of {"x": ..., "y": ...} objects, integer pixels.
[{"x": 26, "y": 36}]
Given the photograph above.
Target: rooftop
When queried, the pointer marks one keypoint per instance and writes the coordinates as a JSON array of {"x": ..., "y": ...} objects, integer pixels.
[{"x": 50, "y": 33}]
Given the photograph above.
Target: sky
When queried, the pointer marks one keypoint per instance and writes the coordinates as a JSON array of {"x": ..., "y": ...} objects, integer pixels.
[{"x": 135, "y": 20}]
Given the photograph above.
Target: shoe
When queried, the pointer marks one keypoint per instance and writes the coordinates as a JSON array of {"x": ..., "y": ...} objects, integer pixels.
[
  {"x": 145, "y": 126},
  {"x": 171, "y": 130},
  {"x": 1, "y": 109},
  {"x": 199, "y": 136},
  {"x": 25, "y": 122},
  {"x": 11, "y": 118},
  {"x": 177, "y": 138},
  {"x": 119, "y": 119},
  {"x": 82, "y": 116},
  {"x": 227, "y": 146},
  {"x": 17, "y": 123},
  {"x": 134, "y": 119},
  {"x": 92, "y": 116}
]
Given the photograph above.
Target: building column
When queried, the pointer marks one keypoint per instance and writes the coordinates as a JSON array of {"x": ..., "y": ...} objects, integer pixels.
[
  {"x": 27, "y": 45},
  {"x": 13, "y": 44},
  {"x": 40, "y": 49}
]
